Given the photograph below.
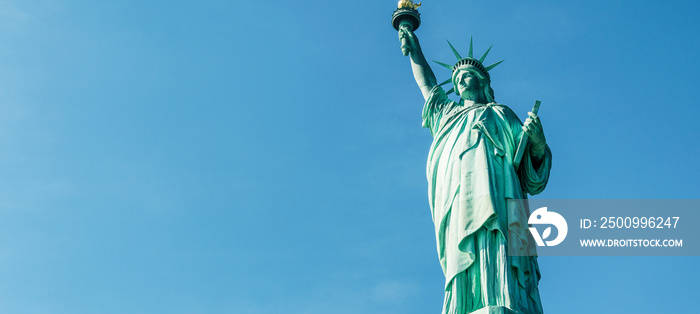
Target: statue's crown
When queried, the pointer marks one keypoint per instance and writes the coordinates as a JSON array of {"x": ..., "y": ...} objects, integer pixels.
[{"x": 470, "y": 60}]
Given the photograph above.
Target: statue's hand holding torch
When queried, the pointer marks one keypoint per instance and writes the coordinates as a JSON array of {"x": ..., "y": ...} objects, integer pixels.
[
  {"x": 407, "y": 38},
  {"x": 406, "y": 19}
]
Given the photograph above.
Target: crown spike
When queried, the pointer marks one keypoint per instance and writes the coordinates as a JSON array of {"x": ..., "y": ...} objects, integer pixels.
[
  {"x": 450, "y": 91},
  {"x": 443, "y": 64},
  {"x": 485, "y": 54},
  {"x": 471, "y": 47},
  {"x": 454, "y": 51},
  {"x": 445, "y": 82},
  {"x": 488, "y": 68}
]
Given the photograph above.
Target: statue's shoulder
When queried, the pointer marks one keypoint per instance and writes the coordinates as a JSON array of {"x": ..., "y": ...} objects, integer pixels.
[
  {"x": 500, "y": 107},
  {"x": 438, "y": 96},
  {"x": 505, "y": 110},
  {"x": 438, "y": 91},
  {"x": 495, "y": 104}
]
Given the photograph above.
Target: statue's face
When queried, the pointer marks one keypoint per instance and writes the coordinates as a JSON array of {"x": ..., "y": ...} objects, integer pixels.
[{"x": 467, "y": 80}]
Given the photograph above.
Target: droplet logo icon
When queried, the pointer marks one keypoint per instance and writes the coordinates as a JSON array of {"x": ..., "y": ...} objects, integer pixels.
[{"x": 543, "y": 217}]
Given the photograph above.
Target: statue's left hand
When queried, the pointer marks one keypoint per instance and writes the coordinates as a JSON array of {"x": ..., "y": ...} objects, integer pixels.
[{"x": 533, "y": 128}]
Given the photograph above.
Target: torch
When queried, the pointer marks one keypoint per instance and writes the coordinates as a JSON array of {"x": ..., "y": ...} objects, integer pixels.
[{"x": 406, "y": 16}]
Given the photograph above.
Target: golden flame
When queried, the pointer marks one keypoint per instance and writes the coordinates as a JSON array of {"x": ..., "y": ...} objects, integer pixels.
[{"x": 408, "y": 4}]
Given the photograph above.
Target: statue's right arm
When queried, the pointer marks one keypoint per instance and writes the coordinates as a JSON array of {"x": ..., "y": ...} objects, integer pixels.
[{"x": 421, "y": 70}]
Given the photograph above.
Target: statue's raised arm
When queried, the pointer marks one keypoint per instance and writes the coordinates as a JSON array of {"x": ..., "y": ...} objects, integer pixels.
[
  {"x": 421, "y": 70},
  {"x": 406, "y": 19}
]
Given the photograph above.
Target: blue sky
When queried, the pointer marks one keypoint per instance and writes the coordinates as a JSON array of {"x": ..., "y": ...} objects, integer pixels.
[{"x": 267, "y": 157}]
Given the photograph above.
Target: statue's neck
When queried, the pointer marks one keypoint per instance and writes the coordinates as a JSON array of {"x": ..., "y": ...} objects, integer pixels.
[{"x": 474, "y": 97}]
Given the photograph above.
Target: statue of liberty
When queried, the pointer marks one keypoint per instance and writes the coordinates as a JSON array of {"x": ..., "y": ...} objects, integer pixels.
[{"x": 477, "y": 190}]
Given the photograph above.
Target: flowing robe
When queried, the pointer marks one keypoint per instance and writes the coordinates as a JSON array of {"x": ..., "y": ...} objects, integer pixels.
[{"x": 477, "y": 201}]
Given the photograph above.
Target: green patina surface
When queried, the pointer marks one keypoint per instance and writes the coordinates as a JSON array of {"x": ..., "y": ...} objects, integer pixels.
[{"x": 475, "y": 190}]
